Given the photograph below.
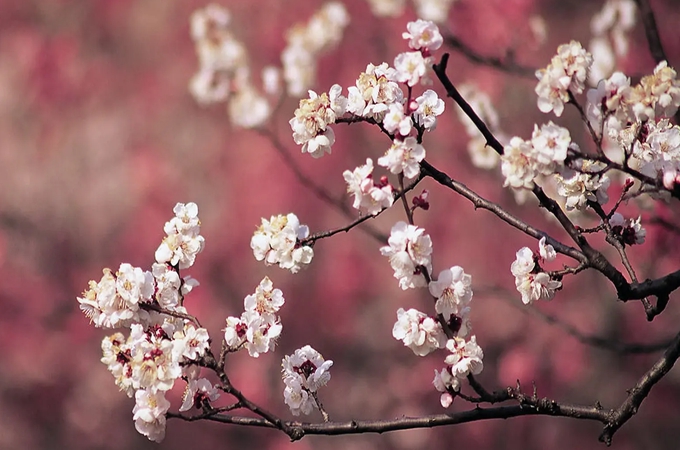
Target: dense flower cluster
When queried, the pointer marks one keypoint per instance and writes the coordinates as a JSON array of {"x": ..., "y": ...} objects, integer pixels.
[
  {"x": 259, "y": 327},
  {"x": 530, "y": 279},
  {"x": 159, "y": 348},
  {"x": 303, "y": 373},
  {"x": 306, "y": 42},
  {"x": 566, "y": 73},
  {"x": 276, "y": 241}
]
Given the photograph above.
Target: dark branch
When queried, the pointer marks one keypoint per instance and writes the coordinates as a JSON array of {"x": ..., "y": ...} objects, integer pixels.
[{"x": 630, "y": 406}]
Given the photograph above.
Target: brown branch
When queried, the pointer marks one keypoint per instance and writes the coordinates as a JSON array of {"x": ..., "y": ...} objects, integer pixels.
[
  {"x": 651, "y": 31},
  {"x": 325, "y": 234},
  {"x": 436, "y": 420},
  {"x": 507, "y": 65},
  {"x": 480, "y": 202},
  {"x": 309, "y": 184},
  {"x": 636, "y": 395}
]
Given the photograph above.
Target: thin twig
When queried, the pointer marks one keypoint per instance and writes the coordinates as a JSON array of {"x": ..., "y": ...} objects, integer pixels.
[{"x": 507, "y": 65}]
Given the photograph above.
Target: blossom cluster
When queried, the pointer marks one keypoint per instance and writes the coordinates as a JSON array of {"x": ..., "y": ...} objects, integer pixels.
[
  {"x": 259, "y": 327},
  {"x": 530, "y": 278},
  {"x": 409, "y": 252},
  {"x": 566, "y": 73},
  {"x": 160, "y": 347},
  {"x": 636, "y": 119},
  {"x": 224, "y": 72},
  {"x": 306, "y": 42},
  {"x": 277, "y": 241},
  {"x": 377, "y": 97},
  {"x": 303, "y": 373}
]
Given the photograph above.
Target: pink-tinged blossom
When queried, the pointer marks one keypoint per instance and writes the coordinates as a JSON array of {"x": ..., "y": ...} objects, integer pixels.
[
  {"x": 536, "y": 286},
  {"x": 444, "y": 381},
  {"x": 630, "y": 231},
  {"x": 198, "y": 393},
  {"x": 266, "y": 299},
  {"x": 374, "y": 91},
  {"x": 303, "y": 373},
  {"x": 404, "y": 157},
  {"x": 465, "y": 358},
  {"x": 369, "y": 196},
  {"x": 418, "y": 331}
]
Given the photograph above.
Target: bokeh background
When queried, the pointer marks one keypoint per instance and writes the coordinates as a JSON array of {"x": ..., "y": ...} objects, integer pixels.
[{"x": 99, "y": 139}]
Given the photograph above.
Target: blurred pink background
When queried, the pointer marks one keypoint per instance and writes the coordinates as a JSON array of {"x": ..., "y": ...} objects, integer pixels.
[{"x": 99, "y": 139}]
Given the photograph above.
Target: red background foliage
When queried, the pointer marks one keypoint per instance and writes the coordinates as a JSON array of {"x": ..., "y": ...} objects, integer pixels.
[{"x": 99, "y": 139}]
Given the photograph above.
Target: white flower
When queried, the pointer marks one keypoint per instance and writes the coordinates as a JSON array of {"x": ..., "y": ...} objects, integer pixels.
[
  {"x": 208, "y": 86},
  {"x": 656, "y": 96},
  {"x": 197, "y": 393},
  {"x": 374, "y": 91},
  {"x": 297, "y": 398},
  {"x": 235, "y": 333},
  {"x": 429, "y": 107},
  {"x": 190, "y": 343},
  {"x": 443, "y": 381},
  {"x": 566, "y": 72},
  {"x": 550, "y": 144},
  {"x": 276, "y": 242},
  {"x": 517, "y": 164},
  {"x": 410, "y": 67},
  {"x": 423, "y": 35},
  {"x": 266, "y": 299},
  {"x": 369, "y": 196},
  {"x": 396, "y": 120},
  {"x": 465, "y": 358},
  {"x": 452, "y": 290},
  {"x": 536, "y": 286},
  {"x": 404, "y": 156},
  {"x": 149, "y": 414},
  {"x": 409, "y": 247},
  {"x": 580, "y": 188},
  {"x": 419, "y": 332},
  {"x": 310, "y": 124},
  {"x": 524, "y": 263},
  {"x": 262, "y": 332},
  {"x": 308, "y": 365},
  {"x": 546, "y": 251},
  {"x": 183, "y": 241}
]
